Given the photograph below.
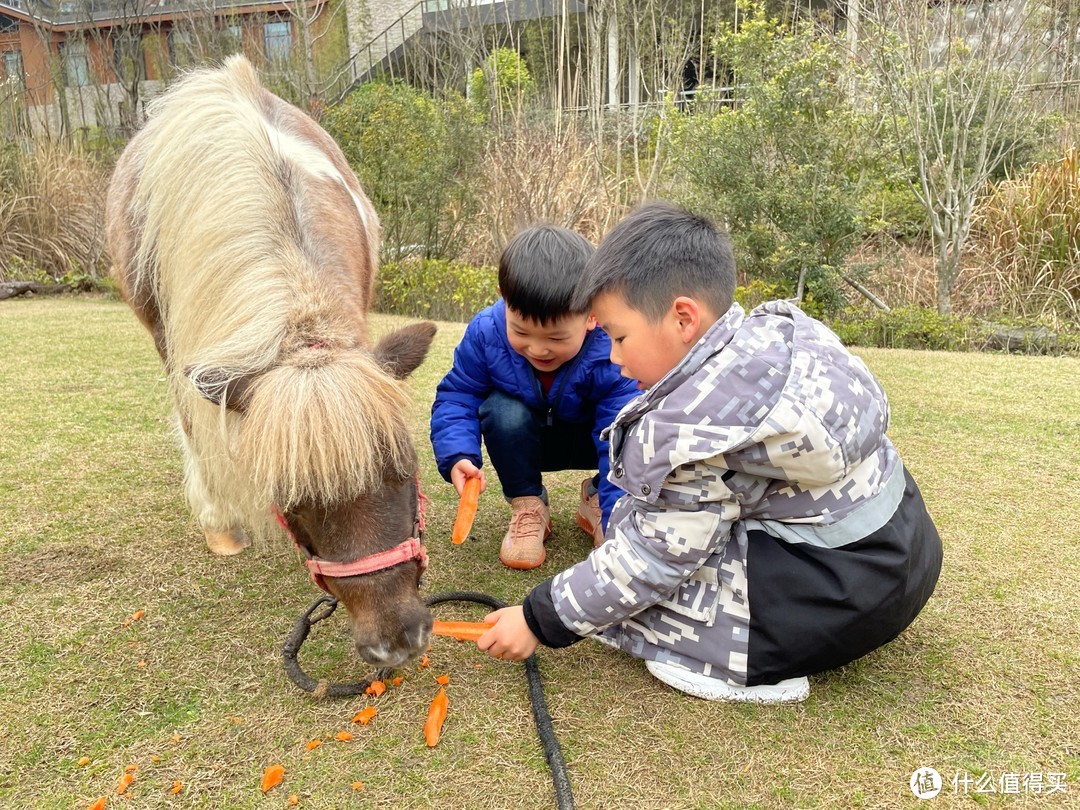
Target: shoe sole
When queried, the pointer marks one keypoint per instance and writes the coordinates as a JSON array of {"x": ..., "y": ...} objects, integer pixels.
[
  {"x": 521, "y": 565},
  {"x": 765, "y": 694}
]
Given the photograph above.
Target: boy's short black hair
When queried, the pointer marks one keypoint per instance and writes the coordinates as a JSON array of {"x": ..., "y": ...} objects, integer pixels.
[
  {"x": 657, "y": 253},
  {"x": 539, "y": 270}
]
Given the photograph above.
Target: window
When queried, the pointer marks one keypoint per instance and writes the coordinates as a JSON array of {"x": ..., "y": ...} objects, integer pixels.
[
  {"x": 75, "y": 62},
  {"x": 181, "y": 50},
  {"x": 11, "y": 67},
  {"x": 9, "y": 23},
  {"x": 277, "y": 39},
  {"x": 128, "y": 60},
  {"x": 232, "y": 40}
]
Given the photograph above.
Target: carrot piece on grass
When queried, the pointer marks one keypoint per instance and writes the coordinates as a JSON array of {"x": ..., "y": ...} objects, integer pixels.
[
  {"x": 364, "y": 717},
  {"x": 436, "y": 716},
  {"x": 466, "y": 511},
  {"x": 177, "y": 786},
  {"x": 271, "y": 778},
  {"x": 357, "y": 785},
  {"x": 124, "y": 783},
  {"x": 99, "y": 804},
  {"x": 155, "y": 758},
  {"x": 83, "y": 761},
  {"x": 462, "y": 631},
  {"x": 343, "y": 736},
  {"x": 131, "y": 768},
  {"x": 294, "y": 799},
  {"x": 376, "y": 688},
  {"x": 398, "y": 680},
  {"x": 311, "y": 746},
  {"x": 442, "y": 679},
  {"x": 424, "y": 661}
]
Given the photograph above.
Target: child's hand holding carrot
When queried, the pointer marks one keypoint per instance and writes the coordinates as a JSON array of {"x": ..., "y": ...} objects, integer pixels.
[{"x": 510, "y": 638}]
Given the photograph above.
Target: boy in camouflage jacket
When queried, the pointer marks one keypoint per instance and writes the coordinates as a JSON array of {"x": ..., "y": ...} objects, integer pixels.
[{"x": 768, "y": 529}]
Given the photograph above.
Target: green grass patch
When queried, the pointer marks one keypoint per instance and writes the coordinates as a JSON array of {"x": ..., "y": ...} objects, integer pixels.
[{"x": 93, "y": 526}]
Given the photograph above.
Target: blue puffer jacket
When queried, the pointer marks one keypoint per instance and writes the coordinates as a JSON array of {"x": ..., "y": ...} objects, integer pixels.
[{"x": 587, "y": 389}]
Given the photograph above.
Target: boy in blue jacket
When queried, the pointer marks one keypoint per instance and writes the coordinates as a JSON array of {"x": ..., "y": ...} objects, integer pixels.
[{"x": 532, "y": 376}]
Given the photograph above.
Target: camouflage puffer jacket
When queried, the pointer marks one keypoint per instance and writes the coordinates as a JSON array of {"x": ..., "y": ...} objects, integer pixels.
[{"x": 768, "y": 433}]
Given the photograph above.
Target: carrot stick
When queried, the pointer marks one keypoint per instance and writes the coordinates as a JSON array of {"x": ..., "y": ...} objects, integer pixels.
[
  {"x": 436, "y": 716},
  {"x": 462, "y": 631},
  {"x": 466, "y": 511}
]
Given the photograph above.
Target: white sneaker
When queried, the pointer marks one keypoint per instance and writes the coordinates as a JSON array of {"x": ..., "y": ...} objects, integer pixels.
[{"x": 792, "y": 690}]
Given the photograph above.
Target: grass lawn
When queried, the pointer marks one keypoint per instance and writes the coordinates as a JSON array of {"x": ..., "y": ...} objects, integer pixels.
[{"x": 93, "y": 527}]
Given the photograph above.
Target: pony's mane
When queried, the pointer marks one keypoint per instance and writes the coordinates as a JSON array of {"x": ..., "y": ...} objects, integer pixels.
[
  {"x": 230, "y": 249},
  {"x": 220, "y": 236},
  {"x": 325, "y": 426}
]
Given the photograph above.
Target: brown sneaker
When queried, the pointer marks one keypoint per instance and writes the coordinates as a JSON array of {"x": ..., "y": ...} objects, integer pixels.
[
  {"x": 530, "y": 524},
  {"x": 588, "y": 514}
]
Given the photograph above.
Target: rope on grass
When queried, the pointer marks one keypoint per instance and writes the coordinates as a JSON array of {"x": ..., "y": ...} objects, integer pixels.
[{"x": 564, "y": 797}]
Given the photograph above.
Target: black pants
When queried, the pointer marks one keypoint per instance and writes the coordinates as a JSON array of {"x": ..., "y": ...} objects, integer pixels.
[
  {"x": 521, "y": 445},
  {"x": 813, "y": 609}
]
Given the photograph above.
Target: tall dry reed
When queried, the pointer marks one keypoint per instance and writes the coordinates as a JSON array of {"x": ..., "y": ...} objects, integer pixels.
[
  {"x": 52, "y": 202},
  {"x": 1028, "y": 239},
  {"x": 542, "y": 173}
]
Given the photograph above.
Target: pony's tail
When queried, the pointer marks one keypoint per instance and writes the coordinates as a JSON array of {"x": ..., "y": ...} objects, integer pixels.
[{"x": 325, "y": 427}]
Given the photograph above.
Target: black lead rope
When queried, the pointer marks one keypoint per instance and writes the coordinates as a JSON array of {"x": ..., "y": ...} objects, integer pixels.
[{"x": 323, "y": 608}]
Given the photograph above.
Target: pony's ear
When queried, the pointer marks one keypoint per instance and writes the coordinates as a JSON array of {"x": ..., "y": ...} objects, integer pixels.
[
  {"x": 219, "y": 387},
  {"x": 402, "y": 351}
]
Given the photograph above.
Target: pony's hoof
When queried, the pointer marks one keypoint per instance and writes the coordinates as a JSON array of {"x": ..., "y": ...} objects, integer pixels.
[{"x": 226, "y": 543}]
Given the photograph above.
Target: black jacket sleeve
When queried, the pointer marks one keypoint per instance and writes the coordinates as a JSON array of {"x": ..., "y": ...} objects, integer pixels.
[{"x": 543, "y": 621}]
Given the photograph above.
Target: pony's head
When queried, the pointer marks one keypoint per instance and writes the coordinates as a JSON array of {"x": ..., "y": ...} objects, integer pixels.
[{"x": 324, "y": 437}]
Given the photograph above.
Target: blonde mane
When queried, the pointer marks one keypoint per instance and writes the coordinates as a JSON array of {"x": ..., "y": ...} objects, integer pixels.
[{"x": 248, "y": 275}]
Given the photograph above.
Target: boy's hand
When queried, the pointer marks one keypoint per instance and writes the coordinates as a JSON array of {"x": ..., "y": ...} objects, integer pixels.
[
  {"x": 464, "y": 470},
  {"x": 510, "y": 638}
]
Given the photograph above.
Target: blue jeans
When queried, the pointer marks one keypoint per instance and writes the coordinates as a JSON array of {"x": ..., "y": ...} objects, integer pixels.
[{"x": 521, "y": 445}]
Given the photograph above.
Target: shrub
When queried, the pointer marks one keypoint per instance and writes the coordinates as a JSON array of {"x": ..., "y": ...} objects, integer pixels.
[
  {"x": 434, "y": 288},
  {"x": 787, "y": 165},
  {"x": 414, "y": 156},
  {"x": 904, "y": 328},
  {"x": 503, "y": 83}
]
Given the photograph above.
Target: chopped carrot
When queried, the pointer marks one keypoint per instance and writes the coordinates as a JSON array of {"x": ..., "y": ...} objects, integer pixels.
[
  {"x": 124, "y": 783},
  {"x": 343, "y": 736},
  {"x": 398, "y": 680},
  {"x": 376, "y": 688},
  {"x": 424, "y": 661},
  {"x": 83, "y": 761},
  {"x": 99, "y": 804},
  {"x": 271, "y": 778},
  {"x": 466, "y": 511},
  {"x": 141, "y": 664},
  {"x": 131, "y": 768},
  {"x": 155, "y": 758},
  {"x": 357, "y": 785},
  {"x": 176, "y": 737},
  {"x": 364, "y": 717},
  {"x": 176, "y": 787},
  {"x": 311, "y": 746},
  {"x": 436, "y": 716},
  {"x": 294, "y": 799},
  {"x": 462, "y": 631},
  {"x": 442, "y": 679}
]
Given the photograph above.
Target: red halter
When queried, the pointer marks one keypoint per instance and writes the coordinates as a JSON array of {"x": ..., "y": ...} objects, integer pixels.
[{"x": 410, "y": 549}]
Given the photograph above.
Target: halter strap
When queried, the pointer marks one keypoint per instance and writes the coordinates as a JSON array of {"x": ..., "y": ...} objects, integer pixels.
[{"x": 410, "y": 549}]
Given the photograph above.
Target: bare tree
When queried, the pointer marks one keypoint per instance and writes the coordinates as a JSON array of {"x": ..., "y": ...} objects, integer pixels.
[{"x": 954, "y": 77}]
